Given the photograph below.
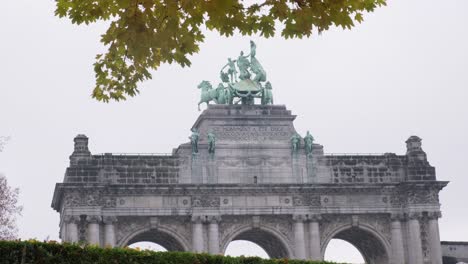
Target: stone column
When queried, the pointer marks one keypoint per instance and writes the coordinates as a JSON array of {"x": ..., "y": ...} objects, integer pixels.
[
  {"x": 414, "y": 234},
  {"x": 397, "y": 239},
  {"x": 93, "y": 229},
  {"x": 434, "y": 238},
  {"x": 314, "y": 237},
  {"x": 109, "y": 231},
  {"x": 213, "y": 235},
  {"x": 299, "y": 243},
  {"x": 197, "y": 234},
  {"x": 71, "y": 228}
]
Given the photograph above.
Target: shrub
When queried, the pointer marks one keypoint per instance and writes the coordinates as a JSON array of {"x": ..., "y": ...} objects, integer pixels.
[{"x": 26, "y": 252}]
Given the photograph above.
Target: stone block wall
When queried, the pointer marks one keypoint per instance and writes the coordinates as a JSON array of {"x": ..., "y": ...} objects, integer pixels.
[{"x": 125, "y": 169}]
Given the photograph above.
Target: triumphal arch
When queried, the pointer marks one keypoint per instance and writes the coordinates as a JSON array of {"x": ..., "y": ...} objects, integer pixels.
[{"x": 246, "y": 174}]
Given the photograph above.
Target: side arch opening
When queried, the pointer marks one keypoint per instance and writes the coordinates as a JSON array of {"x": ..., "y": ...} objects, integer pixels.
[
  {"x": 165, "y": 239},
  {"x": 372, "y": 246},
  {"x": 272, "y": 244},
  {"x": 341, "y": 251}
]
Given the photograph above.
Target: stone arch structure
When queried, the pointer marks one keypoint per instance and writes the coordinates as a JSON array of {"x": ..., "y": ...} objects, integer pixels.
[
  {"x": 256, "y": 186},
  {"x": 272, "y": 241},
  {"x": 372, "y": 245},
  {"x": 166, "y": 238}
]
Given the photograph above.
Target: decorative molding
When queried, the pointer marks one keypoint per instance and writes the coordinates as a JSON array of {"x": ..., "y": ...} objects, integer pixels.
[
  {"x": 299, "y": 218},
  {"x": 71, "y": 219},
  {"x": 109, "y": 220},
  {"x": 205, "y": 201},
  {"x": 93, "y": 219},
  {"x": 434, "y": 215},
  {"x": 414, "y": 215},
  {"x": 314, "y": 217}
]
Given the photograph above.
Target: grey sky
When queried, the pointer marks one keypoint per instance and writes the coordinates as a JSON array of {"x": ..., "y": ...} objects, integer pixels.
[{"x": 403, "y": 71}]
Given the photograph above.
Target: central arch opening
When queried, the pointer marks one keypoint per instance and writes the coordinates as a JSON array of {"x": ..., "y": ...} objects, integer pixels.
[
  {"x": 257, "y": 242},
  {"x": 245, "y": 248},
  {"x": 368, "y": 244},
  {"x": 155, "y": 240}
]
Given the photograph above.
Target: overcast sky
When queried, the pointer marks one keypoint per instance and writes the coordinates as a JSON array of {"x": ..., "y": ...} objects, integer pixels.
[{"x": 402, "y": 72}]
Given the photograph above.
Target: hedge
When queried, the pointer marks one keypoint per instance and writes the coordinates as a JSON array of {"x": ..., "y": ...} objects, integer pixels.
[{"x": 27, "y": 252}]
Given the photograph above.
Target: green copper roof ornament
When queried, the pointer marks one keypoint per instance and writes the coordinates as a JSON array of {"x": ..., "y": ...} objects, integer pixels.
[{"x": 242, "y": 79}]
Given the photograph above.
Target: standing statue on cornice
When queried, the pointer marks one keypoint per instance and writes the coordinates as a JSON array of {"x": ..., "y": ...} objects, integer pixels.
[
  {"x": 295, "y": 143},
  {"x": 211, "y": 143},
  {"x": 194, "y": 140},
  {"x": 308, "y": 141}
]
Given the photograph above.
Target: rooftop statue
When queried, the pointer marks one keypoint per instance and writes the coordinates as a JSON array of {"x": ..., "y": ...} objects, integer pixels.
[
  {"x": 194, "y": 140},
  {"x": 295, "y": 143},
  {"x": 267, "y": 94},
  {"x": 208, "y": 94},
  {"x": 308, "y": 142},
  {"x": 242, "y": 79},
  {"x": 211, "y": 143}
]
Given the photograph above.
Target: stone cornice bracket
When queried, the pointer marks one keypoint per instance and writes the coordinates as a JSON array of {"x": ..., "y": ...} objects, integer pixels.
[
  {"x": 109, "y": 220},
  {"x": 434, "y": 215},
  {"x": 397, "y": 217},
  {"x": 255, "y": 221},
  {"x": 71, "y": 219},
  {"x": 314, "y": 217},
  {"x": 93, "y": 219},
  {"x": 299, "y": 217},
  {"x": 414, "y": 215}
]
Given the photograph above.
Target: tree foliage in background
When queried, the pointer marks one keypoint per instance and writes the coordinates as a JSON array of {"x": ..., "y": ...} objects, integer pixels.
[
  {"x": 8, "y": 204},
  {"x": 145, "y": 33},
  {"x": 8, "y": 210}
]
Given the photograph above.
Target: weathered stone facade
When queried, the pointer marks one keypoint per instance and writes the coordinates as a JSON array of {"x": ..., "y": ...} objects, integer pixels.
[
  {"x": 256, "y": 188},
  {"x": 455, "y": 252}
]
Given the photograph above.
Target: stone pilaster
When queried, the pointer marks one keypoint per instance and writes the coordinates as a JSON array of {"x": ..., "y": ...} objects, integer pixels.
[
  {"x": 414, "y": 236},
  {"x": 397, "y": 239},
  {"x": 314, "y": 237},
  {"x": 299, "y": 243},
  {"x": 434, "y": 238},
  {"x": 71, "y": 228},
  {"x": 93, "y": 229},
  {"x": 213, "y": 234},
  {"x": 109, "y": 230},
  {"x": 197, "y": 234}
]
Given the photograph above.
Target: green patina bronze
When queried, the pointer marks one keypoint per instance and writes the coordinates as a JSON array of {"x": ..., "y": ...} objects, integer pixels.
[
  {"x": 194, "y": 140},
  {"x": 267, "y": 94},
  {"x": 211, "y": 143},
  {"x": 295, "y": 143},
  {"x": 308, "y": 142},
  {"x": 244, "y": 82}
]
